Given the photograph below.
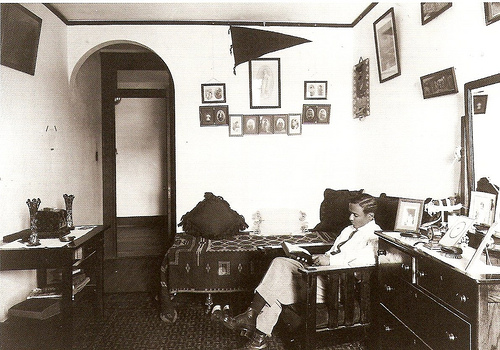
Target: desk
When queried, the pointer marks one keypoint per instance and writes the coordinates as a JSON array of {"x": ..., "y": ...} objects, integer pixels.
[{"x": 85, "y": 251}]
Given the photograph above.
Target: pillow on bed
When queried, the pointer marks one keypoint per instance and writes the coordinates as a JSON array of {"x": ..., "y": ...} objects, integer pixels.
[
  {"x": 213, "y": 218},
  {"x": 334, "y": 210},
  {"x": 279, "y": 221}
]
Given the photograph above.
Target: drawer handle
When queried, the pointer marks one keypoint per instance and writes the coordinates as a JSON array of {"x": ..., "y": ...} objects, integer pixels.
[
  {"x": 421, "y": 274},
  {"x": 405, "y": 267},
  {"x": 462, "y": 298},
  {"x": 381, "y": 252},
  {"x": 451, "y": 336},
  {"x": 388, "y": 328},
  {"x": 388, "y": 288}
]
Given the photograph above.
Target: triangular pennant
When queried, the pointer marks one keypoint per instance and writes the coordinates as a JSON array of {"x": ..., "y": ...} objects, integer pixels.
[{"x": 249, "y": 44}]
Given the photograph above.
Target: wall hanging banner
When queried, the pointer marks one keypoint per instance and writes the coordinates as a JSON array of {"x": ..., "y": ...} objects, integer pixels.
[
  {"x": 249, "y": 44},
  {"x": 361, "y": 89}
]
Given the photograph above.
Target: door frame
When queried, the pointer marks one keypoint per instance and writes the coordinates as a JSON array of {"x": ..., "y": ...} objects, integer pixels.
[{"x": 111, "y": 63}]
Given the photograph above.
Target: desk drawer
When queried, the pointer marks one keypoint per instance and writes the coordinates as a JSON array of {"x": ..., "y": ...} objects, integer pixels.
[
  {"x": 395, "y": 262},
  {"x": 452, "y": 287}
]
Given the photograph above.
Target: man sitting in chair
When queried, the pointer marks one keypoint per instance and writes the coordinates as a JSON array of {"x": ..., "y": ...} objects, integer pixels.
[{"x": 355, "y": 246}]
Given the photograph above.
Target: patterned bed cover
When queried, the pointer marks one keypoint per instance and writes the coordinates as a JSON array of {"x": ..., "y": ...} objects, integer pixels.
[{"x": 200, "y": 265}]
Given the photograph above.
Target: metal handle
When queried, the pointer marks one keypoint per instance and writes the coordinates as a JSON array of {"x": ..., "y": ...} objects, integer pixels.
[
  {"x": 381, "y": 252},
  {"x": 405, "y": 267},
  {"x": 451, "y": 337},
  {"x": 421, "y": 273},
  {"x": 462, "y": 298},
  {"x": 388, "y": 288},
  {"x": 388, "y": 328}
]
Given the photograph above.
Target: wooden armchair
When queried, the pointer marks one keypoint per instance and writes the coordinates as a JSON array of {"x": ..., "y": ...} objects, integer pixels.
[{"x": 347, "y": 308}]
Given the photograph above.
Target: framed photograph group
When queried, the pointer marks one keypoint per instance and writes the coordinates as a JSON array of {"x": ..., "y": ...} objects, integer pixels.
[
  {"x": 214, "y": 115},
  {"x": 316, "y": 114},
  {"x": 386, "y": 44},
  {"x": 430, "y": 10},
  {"x": 20, "y": 37},
  {"x": 491, "y": 12},
  {"x": 439, "y": 83},
  {"x": 315, "y": 90},
  {"x": 213, "y": 93},
  {"x": 265, "y": 83}
]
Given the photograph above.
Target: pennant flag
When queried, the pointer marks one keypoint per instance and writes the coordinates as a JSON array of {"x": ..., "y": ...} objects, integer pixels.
[{"x": 249, "y": 44}]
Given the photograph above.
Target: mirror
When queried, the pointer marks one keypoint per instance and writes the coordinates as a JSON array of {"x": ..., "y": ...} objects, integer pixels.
[{"x": 480, "y": 134}]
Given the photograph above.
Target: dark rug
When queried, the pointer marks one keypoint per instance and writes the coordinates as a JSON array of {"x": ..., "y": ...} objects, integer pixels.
[{"x": 131, "y": 321}]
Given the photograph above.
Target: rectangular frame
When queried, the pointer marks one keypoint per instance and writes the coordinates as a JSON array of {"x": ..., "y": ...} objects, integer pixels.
[
  {"x": 235, "y": 125},
  {"x": 480, "y": 102},
  {"x": 491, "y": 12},
  {"x": 439, "y": 83},
  {"x": 316, "y": 114},
  {"x": 20, "y": 30},
  {"x": 265, "y": 83},
  {"x": 482, "y": 207},
  {"x": 250, "y": 124},
  {"x": 409, "y": 215},
  {"x": 266, "y": 124},
  {"x": 214, "y": 115},
  {"x": 280, "y": 123},
  {"x": 213, "y": 93},
  {"x": 294, "y": 124},
  {"x": 315, "y": 90},
  {"x": 430, "y": 10},
  {"x": 386, "y": 45}
]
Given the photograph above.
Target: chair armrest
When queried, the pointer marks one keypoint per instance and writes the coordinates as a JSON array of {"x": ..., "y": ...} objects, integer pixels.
[{"x": 331, "y": 270}]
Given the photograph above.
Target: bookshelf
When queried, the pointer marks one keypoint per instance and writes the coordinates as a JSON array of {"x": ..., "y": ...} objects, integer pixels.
[{"x": 66, "y": 260}]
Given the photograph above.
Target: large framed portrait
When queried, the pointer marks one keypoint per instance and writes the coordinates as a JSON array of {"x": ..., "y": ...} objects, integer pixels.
[
  {"x": 482, "y": 207},
  {"x": 430, "y": 10},
  {"x": 386, "y": 44},
  {"x": 213, "y": 93},
  {"x": 265, "y": 83},
  {"x": 409, "y": 215},
  {"x": 439, "y": 83},
  {"x": 20, "y": 37},
  {"x": 491, "y": 12}
]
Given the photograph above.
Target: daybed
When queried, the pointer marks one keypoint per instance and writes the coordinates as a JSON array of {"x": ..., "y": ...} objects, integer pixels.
[{"x": 210, "y": 262}]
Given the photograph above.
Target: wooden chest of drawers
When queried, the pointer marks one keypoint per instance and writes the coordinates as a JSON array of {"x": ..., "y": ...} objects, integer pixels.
[{"x": 428, "y": 301}]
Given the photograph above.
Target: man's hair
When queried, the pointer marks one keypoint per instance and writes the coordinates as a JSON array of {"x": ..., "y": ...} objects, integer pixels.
[{"x": 365, "y": 201}]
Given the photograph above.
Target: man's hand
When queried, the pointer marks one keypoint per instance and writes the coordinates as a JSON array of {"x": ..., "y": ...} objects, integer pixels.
[{"x": 321, "y": 260}]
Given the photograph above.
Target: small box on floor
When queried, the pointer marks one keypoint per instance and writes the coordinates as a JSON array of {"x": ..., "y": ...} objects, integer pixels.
[{"x": 36, "y": 308}]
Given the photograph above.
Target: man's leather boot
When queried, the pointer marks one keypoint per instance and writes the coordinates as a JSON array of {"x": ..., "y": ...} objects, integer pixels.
[
  {"x": 245, "y": 322},
  {"x": 257, "y": 342}
]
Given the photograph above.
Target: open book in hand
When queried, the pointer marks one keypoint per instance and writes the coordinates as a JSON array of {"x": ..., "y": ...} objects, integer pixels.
[{"x": 296, "y": 252}]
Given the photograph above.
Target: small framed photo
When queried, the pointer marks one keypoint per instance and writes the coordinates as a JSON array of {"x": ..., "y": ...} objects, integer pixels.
[
  {"x": 213, "y": 93},
  {"x": 207, "y": 116},
  {"x": 294, "y": 124},
  {"x": 409, "y": 215},
  {"x": 386, "y": 44},
  {"x": 316, "y": 114},
  {"x": 221, "y": 114},
  {"x": 280, "y": 124},
  {"x": 456, "y": 231},
  {"x": 315, "y": 90},
  {"x": 480, "y": 104},
  {"x": 266, "y": 124},
  {"x": 265, "y": 83},
  {"x": 430, "y": 10},
  {"x": 491, "y": 12},
  {"x": 235, "y": 125},
  {"x": 439, "y": 83},
  {"x": 250, "y": 124},
  {"x": 482, "y": 207}
]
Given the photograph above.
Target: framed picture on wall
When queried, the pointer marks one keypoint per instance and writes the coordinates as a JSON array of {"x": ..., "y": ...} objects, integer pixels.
[
  {"x": 430, "y": 10},
  {"x": 316, "y": 114},
  {"x": 386, "y": 44},
  {"x": 221, "y": 114},
  {"x": 315, "y": 90},
  {"x": 266, "y": 124},
  {"x": 265, "y": 83},
  {"x": 280, "y": 124},
  {"x": 250, "y": 124},
  {"x": 235, "y": 125},
  {"x": 213, "y": 93},
  {"x": 294, "y": 124},
  {"x": 439, "y": 83},
  {"x": 491, "y": 12},
  {"x": 206, "y": 116},
  {"x": 20, "y": 30}
]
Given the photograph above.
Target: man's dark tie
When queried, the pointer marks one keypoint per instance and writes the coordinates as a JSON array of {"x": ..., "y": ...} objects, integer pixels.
[{"x": 344, "y": 242}]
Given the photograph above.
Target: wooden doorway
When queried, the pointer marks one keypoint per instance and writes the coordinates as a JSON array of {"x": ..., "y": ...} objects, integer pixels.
[{"x": 138, "y": 130}]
